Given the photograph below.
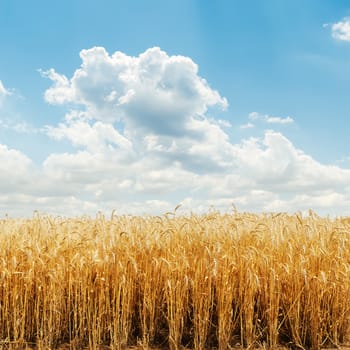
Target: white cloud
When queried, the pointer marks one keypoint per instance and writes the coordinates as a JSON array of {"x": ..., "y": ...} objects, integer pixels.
[
  {"x": 12, "y": 161},
  {"x": 255, "y": 116},
  {"x": 60, "y": 92},
  {"x": 98, "y": 137},
  {"x": 15, "y": 170},
  {"x": 143, "y": 142},
  {"x": 341, "y": 30},
  {"x": 255, "y": 174},
  {"x": 279, "y": 120},
  {"x": 247, "y": 126},
  {"x": 274, "y": 162},
  {"x": 152, "y": 92},
  {"x": 3, "y": 91}
]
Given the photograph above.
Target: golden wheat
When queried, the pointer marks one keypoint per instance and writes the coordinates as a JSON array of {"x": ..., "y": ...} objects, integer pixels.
[{"x": 215, "y": 280}]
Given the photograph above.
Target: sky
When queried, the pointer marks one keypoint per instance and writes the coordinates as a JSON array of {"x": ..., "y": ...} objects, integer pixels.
[{"x": 140, "y": 106}]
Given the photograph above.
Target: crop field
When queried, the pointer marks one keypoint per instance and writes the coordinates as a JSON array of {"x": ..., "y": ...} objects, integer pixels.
[{"x": 221, "y": 281}]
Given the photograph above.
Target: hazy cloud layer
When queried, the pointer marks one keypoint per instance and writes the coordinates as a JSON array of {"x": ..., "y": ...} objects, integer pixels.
[
  {"x": 143, "y": 142},
  {"x": 255, "y": 116}
]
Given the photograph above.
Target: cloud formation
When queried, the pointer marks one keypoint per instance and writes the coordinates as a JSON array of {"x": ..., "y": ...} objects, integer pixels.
[
  {"x": 143, "y": 141},
  {"x": 153, "y": 92},
  {"x": 14, "y": 170},
  {"x": 341, "y": 29}
]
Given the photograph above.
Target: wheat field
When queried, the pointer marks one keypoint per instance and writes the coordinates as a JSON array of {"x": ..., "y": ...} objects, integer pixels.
[{"x": 175, "y": 281}]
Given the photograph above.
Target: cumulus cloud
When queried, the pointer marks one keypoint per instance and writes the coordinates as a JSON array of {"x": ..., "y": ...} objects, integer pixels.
[
  {"x": 15, "y": 170},
  {"x": 341, "y": 30},
  {"x": 98, "y": 137},
  {"x": 61, "y": 91},
  {"x": 275, "y": 163},
  {"x": 267, "y": 173},
  {"x": 153, "y": 92},
  {"x": 143, "y": 141}
]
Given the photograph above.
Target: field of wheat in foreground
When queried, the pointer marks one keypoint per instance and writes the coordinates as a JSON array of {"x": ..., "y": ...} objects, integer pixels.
[{"x": 200, "y": 282}]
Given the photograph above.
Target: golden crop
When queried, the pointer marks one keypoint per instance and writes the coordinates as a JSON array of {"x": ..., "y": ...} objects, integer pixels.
[{"x": 216, "y": 280}]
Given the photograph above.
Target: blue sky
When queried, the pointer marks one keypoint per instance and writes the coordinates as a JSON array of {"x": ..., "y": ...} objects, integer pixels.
[{"x": 207, "y": 103}]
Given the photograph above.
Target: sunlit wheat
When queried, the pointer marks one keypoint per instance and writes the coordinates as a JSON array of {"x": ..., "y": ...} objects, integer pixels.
[{"x": 215, "y": 280}]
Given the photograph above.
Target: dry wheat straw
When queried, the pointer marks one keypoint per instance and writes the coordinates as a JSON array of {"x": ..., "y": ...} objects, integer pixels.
[{"x": 198, "y": 281}]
